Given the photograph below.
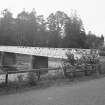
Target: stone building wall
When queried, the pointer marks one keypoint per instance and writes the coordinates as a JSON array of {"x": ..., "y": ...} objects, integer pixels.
[{"x": 23, "y": 62}]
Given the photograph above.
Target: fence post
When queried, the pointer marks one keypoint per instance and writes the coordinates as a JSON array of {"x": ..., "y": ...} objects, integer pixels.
[{"x": 6, "y": 78}]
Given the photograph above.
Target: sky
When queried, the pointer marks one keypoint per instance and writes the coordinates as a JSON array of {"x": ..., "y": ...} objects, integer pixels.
[{"x": 90, "y": 11}]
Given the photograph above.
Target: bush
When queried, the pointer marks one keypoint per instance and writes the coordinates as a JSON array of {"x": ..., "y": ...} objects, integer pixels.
[
  {"x": 102, "y": 51},
  {"x": 31, "y": 78},
  {"x": 87, "y": 62},
  {"x": 20, "y": 78},
  {"x": 70, "y": 58}
]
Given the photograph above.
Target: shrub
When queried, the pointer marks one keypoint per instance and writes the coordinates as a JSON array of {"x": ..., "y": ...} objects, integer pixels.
[
  {"x": 31, "y": 78},
  {"x": 102, "y": 51},
  {"x": 70, "y": 58},
  {"x": 20, "y": 78},
  {"x": 87, "y": 62}
]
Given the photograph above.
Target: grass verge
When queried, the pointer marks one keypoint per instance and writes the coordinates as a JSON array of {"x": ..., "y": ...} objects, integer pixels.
[{"x": 44, "y": 83}]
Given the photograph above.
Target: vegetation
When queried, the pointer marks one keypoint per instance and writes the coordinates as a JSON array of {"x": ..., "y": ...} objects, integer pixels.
[
  {"x": 88, "y": 63},
  {"x": 57, "y": 30},
  {"x": 31, "y": 78},
  {"x": 102, "y": 51}
]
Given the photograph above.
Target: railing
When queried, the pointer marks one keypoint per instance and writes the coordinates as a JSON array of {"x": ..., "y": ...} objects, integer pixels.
[
  {"x": 38, "y": 71},
  {"x": 32, "y": 70},
  {"x": 6, "y": 73}
]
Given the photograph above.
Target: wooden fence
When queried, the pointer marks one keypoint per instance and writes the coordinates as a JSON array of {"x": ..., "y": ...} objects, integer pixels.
[
  {"x": 68, "y": 71},
  {"x": 6, "y": 73}
]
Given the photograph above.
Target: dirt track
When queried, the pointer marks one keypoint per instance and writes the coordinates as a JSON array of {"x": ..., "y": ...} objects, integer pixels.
[{"x": 83, "y": 93}]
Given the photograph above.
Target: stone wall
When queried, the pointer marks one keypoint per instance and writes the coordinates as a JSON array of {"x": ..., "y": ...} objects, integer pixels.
[
  {"x": 44, "y": 51},
  {"x": 8, "y": 59},
  {"x": 26, "y": 55},
  {"x": 23, "y": 62}
]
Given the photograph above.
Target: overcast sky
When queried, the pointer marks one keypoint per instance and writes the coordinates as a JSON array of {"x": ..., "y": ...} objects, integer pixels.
[{"x": 91, "y": 11}]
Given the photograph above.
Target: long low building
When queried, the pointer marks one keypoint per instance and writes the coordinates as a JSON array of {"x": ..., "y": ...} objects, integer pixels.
[
  {"x": 35, "y": 57},
  {"x": 43, "y": 51},
  {"x": 38, "y": 51}
]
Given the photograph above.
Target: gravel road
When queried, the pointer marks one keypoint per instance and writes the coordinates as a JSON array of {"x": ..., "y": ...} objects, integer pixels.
[{"x": 84, "y": 93}]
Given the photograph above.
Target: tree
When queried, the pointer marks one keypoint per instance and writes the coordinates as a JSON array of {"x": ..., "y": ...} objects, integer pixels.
[
  {"x": 94, "y": 41},
  {"x": 7, "y": 28},
  {"x": 58, "y": 30},
  {"x": 55, "y": 26},
  {"x": 42, "y": 34},
  {"x": 31, "y": 29},
  {"x": 74, "y": 33},
  {"x": 26, "y": 28}
]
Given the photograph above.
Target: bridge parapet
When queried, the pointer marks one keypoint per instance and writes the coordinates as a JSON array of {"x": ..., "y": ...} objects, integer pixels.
[
  {"x": 38, "y": 51},
  {"x": 44, "y": 51}
]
